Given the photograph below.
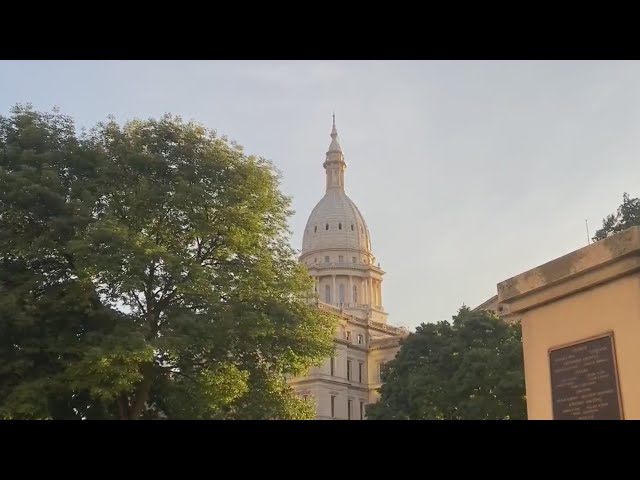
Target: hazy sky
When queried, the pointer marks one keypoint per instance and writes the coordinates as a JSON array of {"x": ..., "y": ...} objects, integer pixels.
[{"x": 467, "y": 173}]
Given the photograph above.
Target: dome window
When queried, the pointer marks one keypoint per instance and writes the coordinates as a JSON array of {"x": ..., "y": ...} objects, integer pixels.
[{"x": 339, "y": 226}]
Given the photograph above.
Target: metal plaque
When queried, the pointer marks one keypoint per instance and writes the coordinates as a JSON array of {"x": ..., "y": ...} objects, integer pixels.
[{"x": 584, "y": 381}]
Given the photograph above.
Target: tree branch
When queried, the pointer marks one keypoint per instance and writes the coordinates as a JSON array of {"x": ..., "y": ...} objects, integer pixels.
[
  {"x": 142, "y": 392},
  {"x": 199, "y": 244},
  {"x": 166, "y": 299},
  {"x": 149, "y": 290},
  {"x": 133, "y": 294},
  {"x": 182, "y": 374},
  {"x": 212, "y": 246},
  {"x": 123, "y": 407}
]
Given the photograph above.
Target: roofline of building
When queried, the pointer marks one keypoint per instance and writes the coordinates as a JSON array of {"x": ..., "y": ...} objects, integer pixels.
[
  {"x": 380, "y": 327},
  {"x": 483, "y": 305}
]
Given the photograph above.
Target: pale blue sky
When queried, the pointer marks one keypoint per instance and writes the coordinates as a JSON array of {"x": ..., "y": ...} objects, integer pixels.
[{"x": 467, "y": 173}]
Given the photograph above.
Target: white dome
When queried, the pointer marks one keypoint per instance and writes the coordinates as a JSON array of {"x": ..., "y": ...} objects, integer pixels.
[
  {"x": 336, "y": 247},
  {"x": 336, "y": 223}
]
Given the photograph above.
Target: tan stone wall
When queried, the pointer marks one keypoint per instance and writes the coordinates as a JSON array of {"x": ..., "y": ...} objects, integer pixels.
[
  {"x": 614, "y": 306},
  {"x": 587, "y": 293}
]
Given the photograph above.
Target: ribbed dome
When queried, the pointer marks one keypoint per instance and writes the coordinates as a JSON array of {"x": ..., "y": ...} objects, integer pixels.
[{"x": 336, "y": 223}]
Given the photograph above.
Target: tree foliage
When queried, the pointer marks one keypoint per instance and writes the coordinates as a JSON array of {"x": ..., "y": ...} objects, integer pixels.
[
  {"x": 467, "y": 369},
  {"x": 146, "y": 272},
  {"x": 627, "y": 215}
]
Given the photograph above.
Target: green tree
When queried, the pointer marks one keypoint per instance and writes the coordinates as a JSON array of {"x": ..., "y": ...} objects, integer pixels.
[
  {"x": 627, "y": 215},
  {"x": 47, "y": 314},
  {"x": 469, "y": 369},
  {"x": 170, "y": 247}
]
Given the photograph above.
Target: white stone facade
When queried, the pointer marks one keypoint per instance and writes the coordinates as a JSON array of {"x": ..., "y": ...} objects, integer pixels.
[{"x": 336, "y": 249}]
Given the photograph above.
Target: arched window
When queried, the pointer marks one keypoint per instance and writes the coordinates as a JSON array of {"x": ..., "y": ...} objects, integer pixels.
[
  {"x": 315, "y": 229},
  {"x": 339, "y": 226},
  {"x": 327, "y": 294},
  {"x": 352, "y": 227},
  {"x": 341, "y": 293},
  {"x": 326, "y": 227},
  {"x": 355, "y": 294}
]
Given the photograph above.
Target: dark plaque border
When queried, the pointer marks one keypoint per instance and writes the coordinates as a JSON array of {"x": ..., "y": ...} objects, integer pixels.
[{"x": 556, "y": 379}]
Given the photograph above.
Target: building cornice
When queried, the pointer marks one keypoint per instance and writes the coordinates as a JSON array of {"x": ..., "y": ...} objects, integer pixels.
[
  {"x": 362, "y": 267},
  {"x": 351, "y": 345},
  {"x": 377, "y": 326},
  {"x": 385, "y": 347},
  {"x": 336, "y": 249},
  {"x": 328, "y": 381}
]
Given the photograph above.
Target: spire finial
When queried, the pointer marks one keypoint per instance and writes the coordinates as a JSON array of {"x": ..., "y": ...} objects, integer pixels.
[
  {"x": 334, "y": 131},
  {"x": 335, "y": 145}
]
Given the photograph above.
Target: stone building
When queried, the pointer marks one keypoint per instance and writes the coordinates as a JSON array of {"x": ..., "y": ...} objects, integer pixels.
[{"x": 336, "y": 249}]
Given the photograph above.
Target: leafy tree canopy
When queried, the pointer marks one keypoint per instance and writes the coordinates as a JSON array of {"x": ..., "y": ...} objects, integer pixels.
[
  {"x": 627, "y": 215},
  {"x": 146, "y": 272},
  {"x": 467, "y": 369}
]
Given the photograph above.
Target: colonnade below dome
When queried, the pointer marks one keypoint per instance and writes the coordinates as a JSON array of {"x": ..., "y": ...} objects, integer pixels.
[{"x": 349, "y": 291}]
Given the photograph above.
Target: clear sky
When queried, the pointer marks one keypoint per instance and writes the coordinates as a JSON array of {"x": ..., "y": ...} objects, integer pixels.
[{"x": 467, "y": 173}]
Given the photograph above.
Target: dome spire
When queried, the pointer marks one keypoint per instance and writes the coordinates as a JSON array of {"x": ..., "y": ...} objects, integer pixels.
[
  {"x": 335, "y": 145},
  {"x": 335, "y": 164}
]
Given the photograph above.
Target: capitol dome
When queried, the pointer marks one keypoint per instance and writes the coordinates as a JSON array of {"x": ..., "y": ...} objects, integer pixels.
[{"x": 336, "y": 223}]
